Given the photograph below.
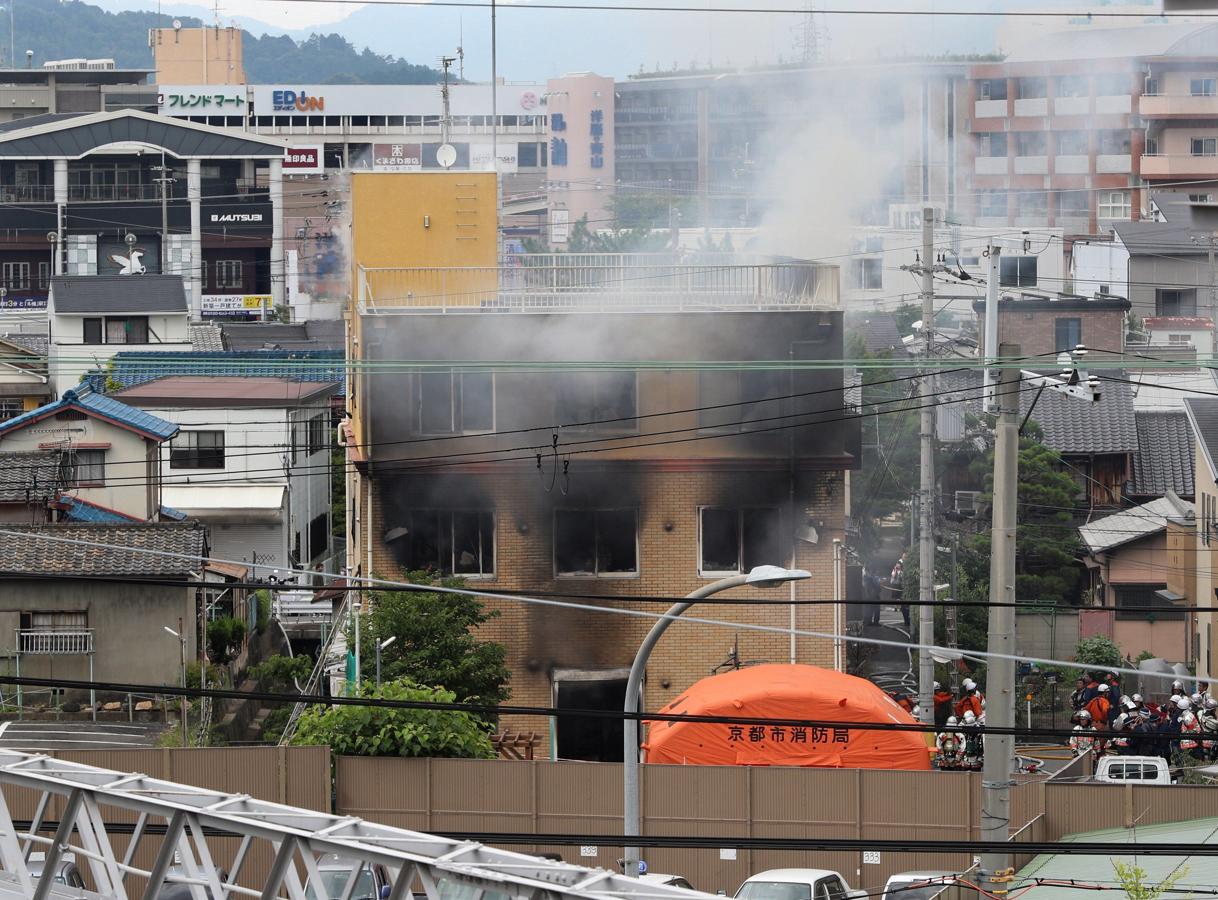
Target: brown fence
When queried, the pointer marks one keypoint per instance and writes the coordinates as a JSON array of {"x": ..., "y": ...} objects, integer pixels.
[{"x": 543, "y": 797}]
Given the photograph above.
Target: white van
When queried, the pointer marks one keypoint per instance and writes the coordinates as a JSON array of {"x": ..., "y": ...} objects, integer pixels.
[
  {"x": 798, "y": 884},
  {"x": 1140, "y": 769}
]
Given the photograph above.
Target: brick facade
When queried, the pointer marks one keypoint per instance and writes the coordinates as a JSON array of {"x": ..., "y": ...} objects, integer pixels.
[
  {"x": 542, "y": 639},
  {"x": 1032, "y": 324}
]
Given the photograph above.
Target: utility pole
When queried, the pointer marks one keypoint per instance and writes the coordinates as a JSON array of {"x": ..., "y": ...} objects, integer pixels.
[
  {"x": 950, "y": 612},
  {"x": 164, "y": 179},
  {"x": 1000, "y": 680},
  {"x": 445, "y": 64},
  {"x": 926, "y": 492}
]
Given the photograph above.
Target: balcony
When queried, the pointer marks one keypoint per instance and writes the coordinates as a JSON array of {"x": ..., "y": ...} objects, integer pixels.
[
  {"x": 1154, "y": 106},
  {"x": 989, "y": 109},
  {"x": 602, "y": 282},
  {"x": 1032, "y": 106},
  {"x": 990, "y": 165},
  {"x": 1114, "y": 105},
  {"x": 53, "y": 642},
  {"x": 1178, "y": 165},
  {"x": 1031, "y": 165},
  {"x": 1113, "y": 164},
  {"x": 1071, "y": 106},
  {"x": 1072, "y": 164}
]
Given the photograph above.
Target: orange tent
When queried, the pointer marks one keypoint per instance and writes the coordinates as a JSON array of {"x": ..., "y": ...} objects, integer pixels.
[{"x": 786, "y": 692}]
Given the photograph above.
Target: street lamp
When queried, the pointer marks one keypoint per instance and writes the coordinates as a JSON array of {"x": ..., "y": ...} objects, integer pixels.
[
  {"x": 182, "y": 647},
  {"x": 381, "y": 645},
  {"x": 760, "y": 576}
]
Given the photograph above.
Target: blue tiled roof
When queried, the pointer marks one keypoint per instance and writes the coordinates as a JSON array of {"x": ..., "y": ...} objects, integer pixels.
[
  {"x": 131, "y": 368},
  {"x": 100, "y": 406},
  {"x": 168, "y": 512},
  {"x": 78, "y": 510}
]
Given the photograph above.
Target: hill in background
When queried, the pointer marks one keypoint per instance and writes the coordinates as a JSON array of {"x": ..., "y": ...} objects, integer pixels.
[{"x": 66, "y": 30}]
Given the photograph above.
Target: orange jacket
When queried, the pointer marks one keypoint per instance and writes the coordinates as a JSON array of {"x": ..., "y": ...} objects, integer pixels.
[
  {"x": 968, "y": 703},
  {"x": 943, "y": 698},
  {"x": 1099, "y": 706}
]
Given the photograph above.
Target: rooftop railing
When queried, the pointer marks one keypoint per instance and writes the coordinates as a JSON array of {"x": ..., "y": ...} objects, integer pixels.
[{"x": 54, "y": 642}]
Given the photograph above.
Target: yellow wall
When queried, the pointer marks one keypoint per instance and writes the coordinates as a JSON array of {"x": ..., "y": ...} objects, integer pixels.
[{"x": 198, "y": 56}]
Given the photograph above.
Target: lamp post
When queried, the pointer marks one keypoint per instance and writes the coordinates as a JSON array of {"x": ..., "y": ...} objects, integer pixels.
[
  {"x": 381, "y": 645},
  {"x": 760, "y": 576},
  {"x": 182, "y": 648}
]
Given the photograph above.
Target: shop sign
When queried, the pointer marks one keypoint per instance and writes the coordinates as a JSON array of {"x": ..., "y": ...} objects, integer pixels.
[
  {"x": 297, "y": 101},
  {"x": 10, "y": 302},
  {"x": 201, "y": 99},
  {"x": 235, "y": 304},
  {"x": 304, "y": 160}
]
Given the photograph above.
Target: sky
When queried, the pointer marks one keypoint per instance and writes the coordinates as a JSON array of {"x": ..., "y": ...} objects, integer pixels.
[{"x": 536, "y": 44}]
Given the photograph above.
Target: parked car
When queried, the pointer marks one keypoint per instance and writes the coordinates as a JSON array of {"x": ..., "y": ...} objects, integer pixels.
[
  {"x": 65, "y": 872},
  {"x": 917, "y": 885},
  {"x": 1142, "y": 769},
  {"x": 667, "y": 880},
  {"x": 798, "y": 884},
  {"x": 373, "y": 882}
]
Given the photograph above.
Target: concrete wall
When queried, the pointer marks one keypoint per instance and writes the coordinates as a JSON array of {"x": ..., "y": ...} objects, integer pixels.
[
  {"x": 198, "y": 55},
  {"x": 1100, "y": 263},
  {"x": 574, "y": 98},
  {"x": 123, "y": 617},
  {"x": 71, "y": 357},
  {"x": 1047, "y": 635},
  {"x": 1171, "y": 269}
]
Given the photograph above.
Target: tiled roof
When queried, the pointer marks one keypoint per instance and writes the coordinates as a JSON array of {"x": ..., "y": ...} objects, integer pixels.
[
  {"x": 880, "y": 334},
  {"x": 1077, "y": 427},
  {"x": 118, "y": 293},
  {"x": 100, "y": 406},
  {"x": 206, "y": 336},
  {"x": 28, "y": 477},
  {"x": 132, "y": 368},
  {"x": 1203, "y": 417},
  {"x": 160, "y": 549},
  {"x": 323, "y": 334},
  {"x": 1131, "y": 524},
  {"x": 1164, "y": 461},
  {"x": 35, "y": 343}
]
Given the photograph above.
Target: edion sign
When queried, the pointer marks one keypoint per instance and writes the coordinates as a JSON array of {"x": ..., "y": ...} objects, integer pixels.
[{"x": 304, "y": 160}]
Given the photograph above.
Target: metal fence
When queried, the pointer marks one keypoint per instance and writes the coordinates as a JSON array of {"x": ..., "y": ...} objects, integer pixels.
[
  {"x": 600, "y": 283},
  {"x": 52, "y": 642}
]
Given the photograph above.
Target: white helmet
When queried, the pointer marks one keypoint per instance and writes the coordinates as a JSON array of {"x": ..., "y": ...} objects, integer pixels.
[
  {"x": 1119, "y": 722},
  {"x": 1196, "y": 698},
  {"x": 1128, "y": 704},
  {"x": 951, "y": 720},
  {"x": 1211, "y": 703},
  {"x": 916, "y": 712},
  {"x": 969, "y": 718},
  {"x": 936, "y": 685},
  {"x": 1083, "y": 714},
  {"x": 969, "y": 684},
  {"x": 1177, "y": 687},
  {"x": 1183, "y": 703},
  {"x": 1137, "y": 698},
  {"x": 1103, "y": 688},
  {"x": 1188, "y": 718}
]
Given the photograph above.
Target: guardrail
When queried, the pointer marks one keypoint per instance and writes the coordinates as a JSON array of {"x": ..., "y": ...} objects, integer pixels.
[{"x": 47, "y": 642}]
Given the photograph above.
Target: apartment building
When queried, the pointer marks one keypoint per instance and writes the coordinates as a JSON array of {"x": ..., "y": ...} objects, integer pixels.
[
  {"x": 73, "y": 86},
  {"x": 1068, "y": 129},
  {"x": 677, "y": 476},
  {"x": 1203, "y": 417}
]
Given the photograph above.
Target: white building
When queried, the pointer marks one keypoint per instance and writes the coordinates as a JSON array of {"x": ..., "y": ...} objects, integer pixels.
[
  {"x": 872, "y": 275},
  {"x": 251, "y": 461},
  {"x": 92, "y": 317}
]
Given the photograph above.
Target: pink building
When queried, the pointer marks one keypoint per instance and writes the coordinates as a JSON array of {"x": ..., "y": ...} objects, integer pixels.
[{"x": 580, "y": 172}]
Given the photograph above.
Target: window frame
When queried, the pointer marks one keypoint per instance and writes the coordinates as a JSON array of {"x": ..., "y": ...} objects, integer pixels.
[
  {"x": 72, "y": 466},
  {"x": 102, "y": 324},
  {"x": 444, "y": 516},
  {"x": 16, "y": 275},
  {"x": 1020, "y": 275},
  {"x": 195, "y": 451},
  {"x": 1209, "y": 86},
  {"x": 704, "y": 572},
  {"x": 229, "y": 274},
  {"x": 745, "y": 409},
  {"x": 1181, "y": 302},
  {"x": 456, "y": 402},
  {"x": 1203, "y": 142},
  {"x": 1077, "y": 328},
  {"x": 596, "y": 513},
  {"x": 1124, "y": 206},
  {"x": 601, "y": 379}
]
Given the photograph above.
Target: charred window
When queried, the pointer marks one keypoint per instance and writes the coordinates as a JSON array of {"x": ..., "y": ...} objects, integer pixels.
[
  {"x": 741, "y": 401},
  {"x": 450, "y": 542},
  {"x": 737, "y": 540},
  {"x": 597, "y": 401},
  {"x": 453, "y": 402},
  {"x": 601, "y": 542}
]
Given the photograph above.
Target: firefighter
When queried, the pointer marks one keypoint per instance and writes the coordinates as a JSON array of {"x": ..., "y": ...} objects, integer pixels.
[
  {"x": 1100, "y": 707},
  {"x": 970, "y": 700},
  {"x": 974, "y": 748},
  {"x": 1083, "y": 736},
  {"x": 1207, "y": 716},
  {"x": 943, "y": 705},
  {"x": 1190, "y": 731},
  {"x": 949, "y": 745}
]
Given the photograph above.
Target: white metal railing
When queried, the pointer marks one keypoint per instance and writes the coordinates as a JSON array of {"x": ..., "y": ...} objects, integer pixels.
[
  {"x": 557, "y": 282},
  {"x": 297, "y": 607},
  {"x": 52, "y": 642}
]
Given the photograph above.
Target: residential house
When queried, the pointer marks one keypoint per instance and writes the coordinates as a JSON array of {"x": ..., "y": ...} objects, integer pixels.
[
  {"x": 72, "y": 605},
  {"x": 1203, "y": 417},
  {"x": 30, "y": 482},
  {"x": 1127, "y": 562},
  {"x": 109, "y": 455},
  {"x": 92, "y": 317},
  {"x": 24, "y": 383},
  {"x": 252, "y": 461},
  {"x": 1045, "y": 324},
  {"x": 1161, "y": 265}
]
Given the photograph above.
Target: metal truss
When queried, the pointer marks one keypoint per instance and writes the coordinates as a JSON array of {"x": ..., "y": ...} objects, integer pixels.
[{"x": 175, "y": 821}]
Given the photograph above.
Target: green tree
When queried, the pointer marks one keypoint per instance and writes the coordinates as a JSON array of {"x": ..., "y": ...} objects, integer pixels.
[
  {"x": 435, "y": 643},
  {"x": 1132, "y": 879},
  {"x": 392, "y": 731},
  {"x": 1098, "y": 652}
]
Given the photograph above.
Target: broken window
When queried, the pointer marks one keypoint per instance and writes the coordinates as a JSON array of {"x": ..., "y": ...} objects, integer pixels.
[
  {"x": 452, "y": 402},
  {"x": 596, "y": 542},
  {"x": 450, "y": 542},
  {"x": 597, "y": 401},
  {"x": 735, "y": 401},
  {"x": 738, "y": 540}
]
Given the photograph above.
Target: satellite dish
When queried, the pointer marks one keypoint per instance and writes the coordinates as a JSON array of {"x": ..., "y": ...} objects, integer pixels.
[
  {"x": 446, "y": 155},
  {"x": 177, "y": 24}
]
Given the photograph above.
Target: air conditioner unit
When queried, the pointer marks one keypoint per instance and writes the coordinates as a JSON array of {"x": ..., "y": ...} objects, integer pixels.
[{"x": 966, "y": 502}]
